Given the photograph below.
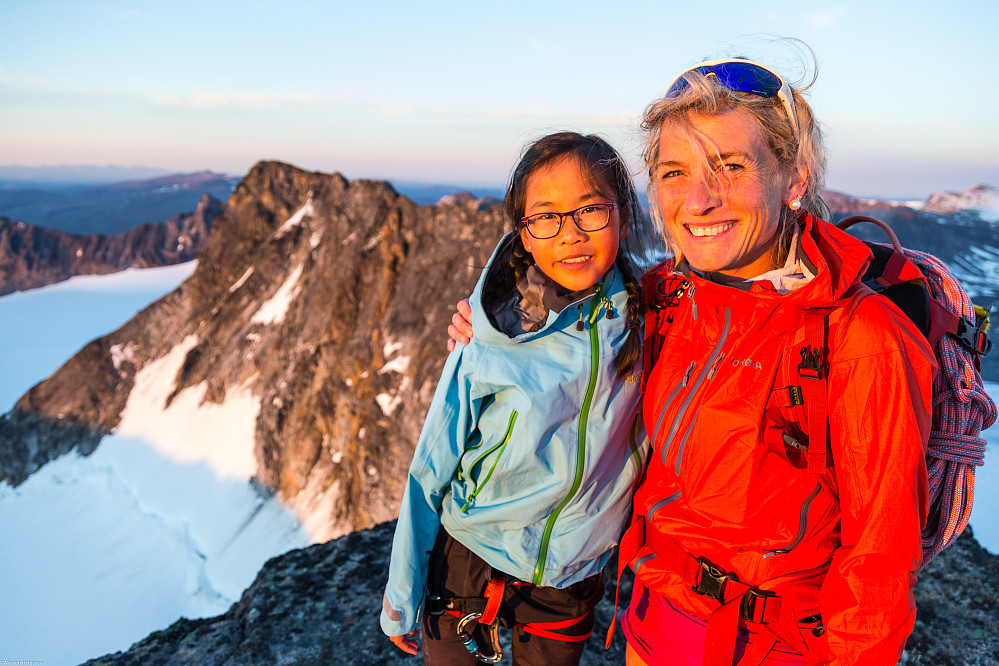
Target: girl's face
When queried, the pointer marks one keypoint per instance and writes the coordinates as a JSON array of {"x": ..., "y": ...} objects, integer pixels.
[
  {"x": 721, "y": 195},
  {"x": 574, "y": 258}
]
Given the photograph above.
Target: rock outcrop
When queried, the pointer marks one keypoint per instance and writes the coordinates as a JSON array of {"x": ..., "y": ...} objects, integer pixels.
[
  {"x": 320, "y": 605},
  {"x": 328, "y": 299},
  {"x": 33, "y": 256}
]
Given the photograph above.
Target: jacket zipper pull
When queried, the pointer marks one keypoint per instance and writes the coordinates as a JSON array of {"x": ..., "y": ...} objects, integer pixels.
[
  {"x": 686, "y": 375},
  {"x": 714, "y": 366},
  {"x": 579, "y": 324}
]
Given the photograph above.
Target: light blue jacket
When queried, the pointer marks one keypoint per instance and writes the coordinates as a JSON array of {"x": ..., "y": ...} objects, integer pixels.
[{"x": 529, "y": 455}]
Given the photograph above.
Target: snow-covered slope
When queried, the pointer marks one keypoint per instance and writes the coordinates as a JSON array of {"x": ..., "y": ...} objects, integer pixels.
[
  {"x": 160, "y": 522},
  {"x": 41, "y": 328},
  {"x": 982, "y": 199},
  {"x": 985, "y": 511}
]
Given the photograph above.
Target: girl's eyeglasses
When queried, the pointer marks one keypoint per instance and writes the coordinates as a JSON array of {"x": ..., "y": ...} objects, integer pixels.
[
  {"x": 591, "y": 217},
  {"x": 743, "y": 76}
]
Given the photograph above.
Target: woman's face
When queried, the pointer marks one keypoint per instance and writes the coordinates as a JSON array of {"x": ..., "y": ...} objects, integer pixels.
[{"x": 721, "y": 194}]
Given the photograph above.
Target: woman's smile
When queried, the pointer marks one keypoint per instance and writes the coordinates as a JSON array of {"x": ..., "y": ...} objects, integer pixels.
[{"x": 708, "y": 231}]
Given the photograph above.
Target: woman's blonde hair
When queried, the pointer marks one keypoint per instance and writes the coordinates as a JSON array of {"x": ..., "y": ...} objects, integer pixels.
[{"x": 796, "y": 147}]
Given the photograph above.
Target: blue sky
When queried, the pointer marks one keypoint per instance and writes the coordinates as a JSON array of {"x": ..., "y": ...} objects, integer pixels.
[{"x": 449, "y": 92}]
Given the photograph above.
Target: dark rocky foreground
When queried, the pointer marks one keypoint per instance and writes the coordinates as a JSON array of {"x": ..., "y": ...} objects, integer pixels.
[{"x": 320, "y": 605}]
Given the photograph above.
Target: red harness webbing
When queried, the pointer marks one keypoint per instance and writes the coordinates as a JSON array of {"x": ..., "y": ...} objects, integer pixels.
[
  {"x": 723, "y": 623},
  {"x": 543, "y": 629}
]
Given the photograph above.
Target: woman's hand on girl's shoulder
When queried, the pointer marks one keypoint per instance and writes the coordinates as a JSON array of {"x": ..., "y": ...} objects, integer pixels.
[{"x": 460, "y": 329}]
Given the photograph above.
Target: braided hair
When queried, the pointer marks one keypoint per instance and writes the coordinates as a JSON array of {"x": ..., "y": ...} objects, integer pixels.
[{"x": 608, "y": 171}]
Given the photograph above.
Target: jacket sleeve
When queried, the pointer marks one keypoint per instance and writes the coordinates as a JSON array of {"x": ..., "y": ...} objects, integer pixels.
[
  {"x": 880, "y": 404},
  {"x": 452, "y": 416}
]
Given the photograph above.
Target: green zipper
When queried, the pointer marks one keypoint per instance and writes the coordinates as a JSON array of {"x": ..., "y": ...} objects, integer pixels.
[
  {"x": 502, "y": 447},
  {"x": 539, "y": 568},
  {"x": 636, "y": 454}
]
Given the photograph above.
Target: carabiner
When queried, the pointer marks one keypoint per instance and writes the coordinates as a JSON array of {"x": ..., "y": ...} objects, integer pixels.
[{"x": 470, "y": 644}]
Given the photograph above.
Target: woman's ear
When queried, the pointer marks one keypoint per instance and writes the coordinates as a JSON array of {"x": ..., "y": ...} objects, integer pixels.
[{"x": 797, "y": 186}]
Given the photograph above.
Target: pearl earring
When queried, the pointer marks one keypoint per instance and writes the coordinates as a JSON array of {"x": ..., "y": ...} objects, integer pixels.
[{"x": 795, "y": 205}]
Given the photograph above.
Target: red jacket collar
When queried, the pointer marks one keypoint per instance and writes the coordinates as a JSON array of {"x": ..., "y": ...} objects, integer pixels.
[{"x": 839, "y": 259}]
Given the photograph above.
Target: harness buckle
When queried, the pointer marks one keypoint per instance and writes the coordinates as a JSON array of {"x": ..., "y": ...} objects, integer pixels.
[
  {"x": 669, "y": 290},
  {"x": 812, "y": 364},
  {"x": 973, "y": 337},
  {"x": 754, "y": 603},
  {"x": 711, "y": 582},
  {"x": 492, "y": 635},
  {"x": 434, "y": 605}
]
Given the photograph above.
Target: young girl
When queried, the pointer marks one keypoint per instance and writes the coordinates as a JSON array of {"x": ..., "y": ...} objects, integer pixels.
[{"x": 522, "y": 478}]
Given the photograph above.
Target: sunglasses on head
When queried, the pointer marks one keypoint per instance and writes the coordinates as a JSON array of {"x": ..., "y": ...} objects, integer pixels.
[{"x": 742, "y": 76}]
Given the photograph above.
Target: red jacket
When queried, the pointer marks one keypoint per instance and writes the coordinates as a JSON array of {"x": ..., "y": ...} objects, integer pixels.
[{"x": 718, "y": 491}]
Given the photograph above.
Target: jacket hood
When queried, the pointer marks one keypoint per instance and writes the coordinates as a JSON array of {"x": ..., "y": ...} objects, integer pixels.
[
  {"x": 486, "y": 330},
  {"x": 840, "y": 259}
]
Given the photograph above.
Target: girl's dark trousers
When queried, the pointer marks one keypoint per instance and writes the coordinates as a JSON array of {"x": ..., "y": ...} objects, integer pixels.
[{"x": 456, "y": 572}]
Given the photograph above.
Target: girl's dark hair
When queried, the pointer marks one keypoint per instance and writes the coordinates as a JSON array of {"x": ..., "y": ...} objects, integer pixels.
[{"x": 608, "y": 174}]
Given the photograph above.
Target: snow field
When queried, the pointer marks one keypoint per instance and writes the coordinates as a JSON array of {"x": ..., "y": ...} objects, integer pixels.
[
  {"x": 161, "y": 521},
  {"x": 41, "y": 328}
]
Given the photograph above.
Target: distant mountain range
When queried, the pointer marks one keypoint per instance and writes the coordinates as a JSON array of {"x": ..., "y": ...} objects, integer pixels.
[
  {"x": 110, "y": 208},
  {"x": 73, "y": 175},
  {"x": 32, "y": 256}
]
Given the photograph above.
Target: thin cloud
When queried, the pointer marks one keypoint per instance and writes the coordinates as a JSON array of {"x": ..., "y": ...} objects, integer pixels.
[
  {"x": 536, "y": 114},
  {"x": 21, "y": 80},
  {"x": 396, "y": 110},
  {"x": 826, "y": 19},
  {"x": 238, "y": 100}
]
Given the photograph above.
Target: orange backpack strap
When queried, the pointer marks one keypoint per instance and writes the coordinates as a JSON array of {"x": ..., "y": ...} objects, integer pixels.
[
  {"x": 808, "y": 380},
  {"x": 814, "y": 372}
]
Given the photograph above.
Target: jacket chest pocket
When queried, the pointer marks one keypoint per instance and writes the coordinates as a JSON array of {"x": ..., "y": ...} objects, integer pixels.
[{"x": 482, "y": 462}]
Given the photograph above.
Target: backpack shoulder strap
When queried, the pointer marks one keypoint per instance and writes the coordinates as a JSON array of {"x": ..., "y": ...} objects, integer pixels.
[{"x": 810, "y": 378}]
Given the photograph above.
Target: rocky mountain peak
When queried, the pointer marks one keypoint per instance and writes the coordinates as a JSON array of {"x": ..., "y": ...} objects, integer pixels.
[
  {"x": 979, "y": 196},
  {"x": 326, "y": 299}
]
